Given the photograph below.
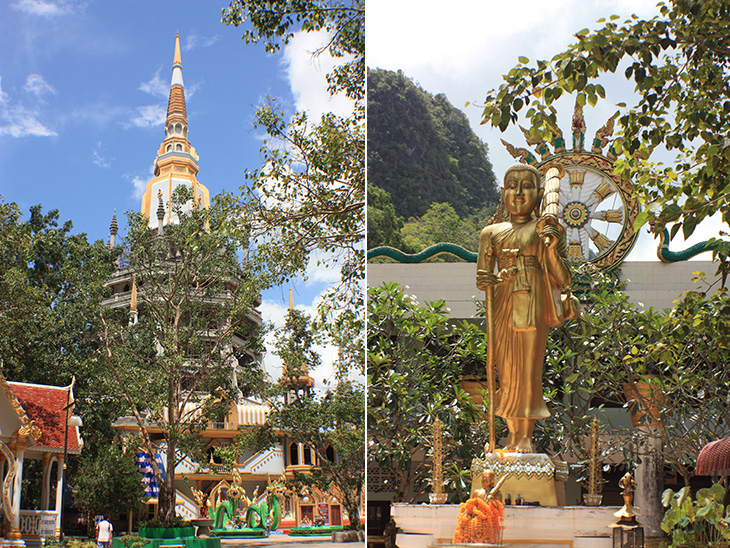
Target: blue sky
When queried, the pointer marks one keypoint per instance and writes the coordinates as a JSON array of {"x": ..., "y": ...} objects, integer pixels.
[{"x": 83, "y": 95}]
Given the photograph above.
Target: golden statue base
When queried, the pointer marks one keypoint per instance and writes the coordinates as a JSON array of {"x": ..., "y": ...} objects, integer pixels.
[{"x": 531, "y": 475}]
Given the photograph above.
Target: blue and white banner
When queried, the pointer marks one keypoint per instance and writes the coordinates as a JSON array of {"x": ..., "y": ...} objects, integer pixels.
[{"x": 148, "y": 475}]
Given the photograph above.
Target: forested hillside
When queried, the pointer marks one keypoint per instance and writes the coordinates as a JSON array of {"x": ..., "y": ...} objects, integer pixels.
[
  {"x": 422, "y": 150},
  {"x": 424, "y": 154}
]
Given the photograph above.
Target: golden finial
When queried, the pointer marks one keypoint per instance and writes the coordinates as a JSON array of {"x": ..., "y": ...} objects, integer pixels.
[
  {"x": 178, "y": 58},
  {"x": 593, "y": 471},
  {"x": 438, "y": 496},
  {"x": 578, "y": 127},
  {"x": 133, "y": 299}
]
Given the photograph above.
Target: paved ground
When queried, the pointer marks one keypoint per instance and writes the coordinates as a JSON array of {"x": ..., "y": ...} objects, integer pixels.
[{"x": 285, "y": 541}]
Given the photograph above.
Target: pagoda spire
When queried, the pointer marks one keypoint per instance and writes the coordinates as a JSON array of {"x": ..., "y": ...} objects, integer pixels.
[
  {"x": 176, "y": 109},
  {"x": 176, "y": 162},
  {"x": 290, "y": 380},
  {"x": 113, "y": 230}
]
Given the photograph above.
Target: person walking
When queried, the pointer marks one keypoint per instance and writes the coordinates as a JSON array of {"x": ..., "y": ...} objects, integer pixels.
[{"x": 104, "y": 533}]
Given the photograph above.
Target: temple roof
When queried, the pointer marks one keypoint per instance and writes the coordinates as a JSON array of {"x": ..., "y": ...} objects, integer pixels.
[{"x": 44, "y": 406}]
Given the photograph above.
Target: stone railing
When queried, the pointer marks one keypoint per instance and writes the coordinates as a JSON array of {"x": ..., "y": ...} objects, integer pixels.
[{"x": 37, "y": 523}]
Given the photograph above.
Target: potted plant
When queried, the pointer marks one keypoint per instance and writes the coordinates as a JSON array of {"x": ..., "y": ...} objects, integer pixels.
[
  {"x": 471, "y": 353},
  {"x": 699, "y": 522},
  {"x": 643, "y": 386}
]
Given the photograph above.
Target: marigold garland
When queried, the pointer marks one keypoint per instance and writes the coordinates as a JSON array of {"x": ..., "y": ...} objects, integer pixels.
[{"x": 479, "y": 522}]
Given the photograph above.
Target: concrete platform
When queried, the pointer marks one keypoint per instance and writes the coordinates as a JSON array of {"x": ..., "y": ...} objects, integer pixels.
[{"x": 425, "y": 525}]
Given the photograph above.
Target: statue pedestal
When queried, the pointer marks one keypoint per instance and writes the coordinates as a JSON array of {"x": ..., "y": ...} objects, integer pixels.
[
  {"x": 531, "y": 475},
  {"x": 428, "y": 525}
]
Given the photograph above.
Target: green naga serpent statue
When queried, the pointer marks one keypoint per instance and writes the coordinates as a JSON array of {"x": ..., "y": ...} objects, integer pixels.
[
  {"x": 256, "y": 516},
  {"x": 663, "y": 252}
]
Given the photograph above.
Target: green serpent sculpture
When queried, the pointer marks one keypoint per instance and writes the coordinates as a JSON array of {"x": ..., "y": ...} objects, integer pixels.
[
  {"x": 255, "y": 517},
  {"x": 667, "y": 256},
  {"x": 222, "y": 513},
  {"x": 436, "y": 249},
  {"x": 663, "y": 252},
  {"x": 257, "y": 513}
]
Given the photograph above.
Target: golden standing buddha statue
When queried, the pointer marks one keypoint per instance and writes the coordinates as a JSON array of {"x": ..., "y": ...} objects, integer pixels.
[{"x": 530, "y": 256}]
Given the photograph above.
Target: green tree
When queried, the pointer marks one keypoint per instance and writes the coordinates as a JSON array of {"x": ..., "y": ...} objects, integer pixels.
[
  {"x": 193, "y": 346},
  {"x": 275, "y": 21},
  {"x": 110, "y": 484},
  {"x": 439, "y": 224},
  {"x": 333, "y": 426},
  {"x": 51, "y": 284},
  {"x": 384, "y": 225},
  {"x": 310, "y": 194},
  {"x": 681, "y": 352},
  {"x": 678, "y": 62},
  {"x": 294, "y": 341},
  {"x": 422, "y": 150},
  {"x": 415, "y": 357},
  {"x": 332, "y": 423},
  {"x": 690, "y": 352},
  {"x": 51, "y": 281}
]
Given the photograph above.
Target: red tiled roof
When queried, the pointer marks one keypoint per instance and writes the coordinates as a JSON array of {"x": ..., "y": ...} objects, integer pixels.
[{"x": 44, "y": 405}]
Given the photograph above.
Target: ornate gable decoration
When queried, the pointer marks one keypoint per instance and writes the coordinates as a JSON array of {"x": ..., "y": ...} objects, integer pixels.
[
  {"x": 596, "y": 207},
  {"x": 27, "y": 429}
]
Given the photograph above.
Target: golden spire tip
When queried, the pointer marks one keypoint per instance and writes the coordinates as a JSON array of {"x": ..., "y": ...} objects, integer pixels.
[{"x": 178, "y": 58}]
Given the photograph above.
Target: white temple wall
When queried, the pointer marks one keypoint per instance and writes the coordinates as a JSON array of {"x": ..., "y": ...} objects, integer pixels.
[{"x": 651, "y": 284}]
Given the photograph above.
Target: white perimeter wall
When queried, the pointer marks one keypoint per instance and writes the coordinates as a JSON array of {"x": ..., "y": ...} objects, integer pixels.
[{"x": 653, "y": 284}]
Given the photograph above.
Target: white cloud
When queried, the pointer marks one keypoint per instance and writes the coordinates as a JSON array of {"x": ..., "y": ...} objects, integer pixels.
[
  {"x": 139, "y": 182},
  {"x": 43, "y": 8},
  {"x": 322, "y": 267},
  {"x": 148, "y": 116},
  {"x": 274, "y": 313},
  {"x": 16, "y": 120},
  {"x": 98, "y": 114},
  {"x": 190, "y": 89},
  {"x": 23, "y": 123},
  {"x": 307, "y": 75},
  {"x": 139, "y": 185},
  {"x": 4, "y": 97},
  {"x": 471, "y": 36},
  {"x": 195, "y": 41},
  {"x": 156, "y": 86},
  {"x": 36, "y": 85},
  {"x": 98, "y": 159}
]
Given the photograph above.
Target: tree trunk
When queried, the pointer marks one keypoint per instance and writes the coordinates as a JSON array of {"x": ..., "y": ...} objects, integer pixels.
[
  {"x": 167, "y": 498},
  {"x": 649, "y": 476},
  {"x": 353, "y": 512}
]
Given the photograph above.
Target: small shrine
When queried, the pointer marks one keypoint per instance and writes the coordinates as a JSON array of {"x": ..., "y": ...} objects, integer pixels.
[{"x": 36, "y": 423}]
